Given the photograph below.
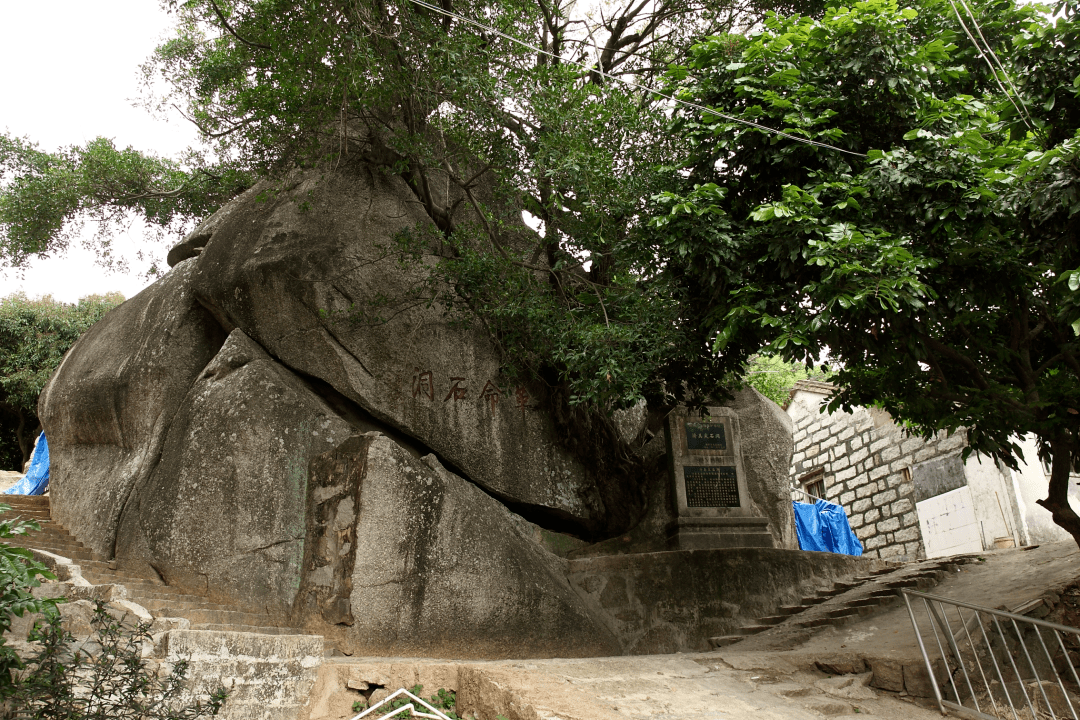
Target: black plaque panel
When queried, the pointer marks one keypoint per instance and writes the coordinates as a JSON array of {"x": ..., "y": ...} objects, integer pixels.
[
  {"x": 705, "y": 436},
  {"x": 711, "y": 486},
  {"x": 938, "y": 477}
]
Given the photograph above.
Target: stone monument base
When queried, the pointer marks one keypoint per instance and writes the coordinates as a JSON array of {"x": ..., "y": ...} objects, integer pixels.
[{"x": 709, "y": 533}]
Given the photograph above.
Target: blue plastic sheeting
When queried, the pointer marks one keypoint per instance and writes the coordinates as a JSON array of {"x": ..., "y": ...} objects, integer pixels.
[
  {"x": 824, "y": 527},
  {"x": 36, "y": 478}
]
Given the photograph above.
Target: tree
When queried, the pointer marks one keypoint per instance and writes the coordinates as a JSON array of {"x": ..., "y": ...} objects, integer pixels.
[
  {"x": 930, "y": 241},
  {"x": 480, "y": 121},
  {"x": 774, "y": 377},
  {"x": 34, "y": 335}
]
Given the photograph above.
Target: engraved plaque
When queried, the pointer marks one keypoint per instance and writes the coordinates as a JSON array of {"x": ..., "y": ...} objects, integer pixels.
[
  {"x": 705, "y": 436},
  {"x": 711, "y": 486}
]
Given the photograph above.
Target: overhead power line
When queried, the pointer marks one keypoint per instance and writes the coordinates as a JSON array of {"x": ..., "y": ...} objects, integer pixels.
[{"x": 628, "y": 83}]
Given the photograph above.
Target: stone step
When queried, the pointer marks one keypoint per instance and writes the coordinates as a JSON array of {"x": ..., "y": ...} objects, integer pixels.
[
  {"x": 173, "y": 607},
  {"x": 842, "y": 612},
  {"x": 864, "y": 602},
  {"x": 260, "y": 629},
  {"x": 41, "y": 516},
  {"x": 845, "y": 586},
  {"x": 161, "y": 592},
  {"x": 773, "y": 619},
  {"x": 725, "y": 640},
  {"x": 229, "y": 617},
  {"x": 817, "y": 622},
  {"x": 792, "y": 609},
  {"x": 922, "y": 583},
  {"x": 18, "y": 502},
  {"x": 813, "y": 600},
  {"x": 883, "y": 594},
  {"x": 71, "y": 553},
  {"x": 753, "y": 629},
  {"x": 101, "y": 569}
]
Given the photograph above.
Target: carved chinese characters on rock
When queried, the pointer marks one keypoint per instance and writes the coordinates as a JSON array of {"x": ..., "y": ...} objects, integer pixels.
[
  {"x": 423, "y": 384},
  {"x": 457, "y": 389},
  {"x": 491, "y": 393}
]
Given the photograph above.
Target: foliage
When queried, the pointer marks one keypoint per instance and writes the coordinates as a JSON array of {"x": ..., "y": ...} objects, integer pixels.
[
  {"x": 45, "y": 197},
  {"x": 480, "y": 123},
  {"x": 34, "y": 335},
  {"x": 19, "y": 573},
  {"x": 102, "y": 677},
  {"x": 935, "y": 253},
  {"x": 773, "y": 377}
]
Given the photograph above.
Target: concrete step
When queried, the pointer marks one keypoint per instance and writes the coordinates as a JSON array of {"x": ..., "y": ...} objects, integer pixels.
[{"x": 725, "y": 640}]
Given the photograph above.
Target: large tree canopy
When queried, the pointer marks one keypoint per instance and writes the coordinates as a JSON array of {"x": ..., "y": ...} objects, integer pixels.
[
  {"x": 935, "y": 260},
  {"x": 522, "y": 111},
  {"x": 897, "y": 186}
]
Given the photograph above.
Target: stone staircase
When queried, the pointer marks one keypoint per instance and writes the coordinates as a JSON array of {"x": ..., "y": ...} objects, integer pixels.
[
  {"x": 159, "y": 599},
  {"x": 862, "y": 596}
]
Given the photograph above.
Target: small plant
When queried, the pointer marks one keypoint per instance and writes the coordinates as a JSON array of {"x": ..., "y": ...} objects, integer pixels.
[
  {"x": 19, "y": 573},
  {"x": 102, "y": 677}
]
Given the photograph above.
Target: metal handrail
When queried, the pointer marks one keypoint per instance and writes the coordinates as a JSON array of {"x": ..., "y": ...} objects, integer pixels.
[{"x": 981, "y": 647}]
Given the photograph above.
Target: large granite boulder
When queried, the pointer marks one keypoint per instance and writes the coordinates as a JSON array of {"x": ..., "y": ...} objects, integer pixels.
[
  {"x": 311, "y": 272},
  {"x": 406, "y": 558},
  {"x": 223, "y": 511},
  {"x": 767, "y": 445},
  {"x": 108, "y": 406}
]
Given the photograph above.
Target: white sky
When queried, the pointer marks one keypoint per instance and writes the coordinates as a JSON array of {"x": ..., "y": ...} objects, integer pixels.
[{"x": 71, "y": 74}]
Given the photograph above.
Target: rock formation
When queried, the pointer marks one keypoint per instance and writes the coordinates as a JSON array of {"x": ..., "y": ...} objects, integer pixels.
[{"x": 280, "y": 420}]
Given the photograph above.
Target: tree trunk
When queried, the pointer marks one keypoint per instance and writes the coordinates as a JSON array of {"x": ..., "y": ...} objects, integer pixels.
[{"x": 1057, "y": 499}]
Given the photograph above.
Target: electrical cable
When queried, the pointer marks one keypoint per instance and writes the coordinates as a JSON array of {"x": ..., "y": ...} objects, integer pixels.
[
  {"x": 634, "y": 85},
  {"x": 993, "y": 69}
]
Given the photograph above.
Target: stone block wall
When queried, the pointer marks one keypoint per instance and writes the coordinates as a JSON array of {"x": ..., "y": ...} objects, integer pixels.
[{"x": 866, "y": 461}]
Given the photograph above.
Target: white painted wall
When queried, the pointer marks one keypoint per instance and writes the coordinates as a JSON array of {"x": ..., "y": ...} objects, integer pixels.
[
  {"x": 991, "y": 494},
  {"x": 1032, "y": 482}
]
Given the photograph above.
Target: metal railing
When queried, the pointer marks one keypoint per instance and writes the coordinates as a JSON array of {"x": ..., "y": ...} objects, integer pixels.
[
  {"x": 405, "y": 709},
  {"x": 994, "y": 664}
]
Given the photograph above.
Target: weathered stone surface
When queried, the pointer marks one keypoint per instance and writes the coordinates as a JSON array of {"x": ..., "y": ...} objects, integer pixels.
[
  {"x": 108, "y": 406},
  {"x": 766, "y": 448},
  {"x": 665, "y": 602},
  {"x": 888, "y": 673},
  {"x": 268, "y": 677},
  {"x": 406, "y": 558},
  {"x": 294, "y": 270},
  {"x": 223, "y": 512}
]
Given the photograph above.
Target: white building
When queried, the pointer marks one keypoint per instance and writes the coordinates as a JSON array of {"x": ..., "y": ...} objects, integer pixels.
[{"x": 909, "y": 498}]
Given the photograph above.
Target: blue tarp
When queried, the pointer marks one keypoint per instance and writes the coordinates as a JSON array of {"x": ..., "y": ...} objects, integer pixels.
[
  {"x": 36, "y": 478},
  {"x": 824, "y": 527}
]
